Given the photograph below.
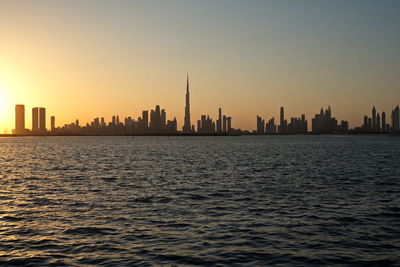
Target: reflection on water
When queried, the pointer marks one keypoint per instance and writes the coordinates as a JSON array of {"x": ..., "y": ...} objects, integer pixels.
[{"x": 260, "y": 200}]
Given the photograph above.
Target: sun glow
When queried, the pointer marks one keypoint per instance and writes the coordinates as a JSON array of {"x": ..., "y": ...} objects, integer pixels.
[{"x": 5, "y": 110}]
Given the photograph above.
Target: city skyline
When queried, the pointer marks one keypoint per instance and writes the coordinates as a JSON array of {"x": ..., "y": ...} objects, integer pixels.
[
  {"x": 251, "y": 58},
  {"x": 156, "y": 122}
]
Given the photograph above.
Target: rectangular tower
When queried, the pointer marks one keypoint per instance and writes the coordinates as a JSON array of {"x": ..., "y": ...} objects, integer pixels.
[
  {"x": 35, "y": 120},
  {"x": 42, "y": 120},
  {"x": 53, "y": 123},
  {"x": 19, "y": 119}
]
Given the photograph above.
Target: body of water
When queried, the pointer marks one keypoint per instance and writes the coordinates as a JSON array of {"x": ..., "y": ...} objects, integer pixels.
[{"x": 248, "y": 200}]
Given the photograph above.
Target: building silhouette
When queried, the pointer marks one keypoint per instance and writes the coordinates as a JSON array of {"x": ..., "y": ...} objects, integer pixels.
[
  {"x": 35, "y": 120},
  {"x": 38, "y": 120},
  {"x": 270, "y": 127},
  {"x": 187, "y": 128},
  {"x": 205, "y": 125},
  {"x": 53, "y": 123},
  {"x": 374, "y": 127},
  {"x": 375, "y": 124},
  {"x": 283, "y": 125},
  {"x": 395, "y": 120},
  {"x": 260, "y": 125},
  {"x": 325, "y": 123},
  {"x": 265, "y": 128},
  {"x": 384, "y": 129},
  {"x": 155, "y": 122},
  {"x": 19, "y": 120},
  {"x": 42, "y": 120},
  {"x": 298, "y": 125},
  {"x": 224, "y": 122},
  {"x": 219, "y": 121},
  {"x": 229, "y": 122}
]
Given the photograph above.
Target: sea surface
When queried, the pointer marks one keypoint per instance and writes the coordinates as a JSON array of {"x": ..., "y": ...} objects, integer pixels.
[{"x": 226, "y": 201}]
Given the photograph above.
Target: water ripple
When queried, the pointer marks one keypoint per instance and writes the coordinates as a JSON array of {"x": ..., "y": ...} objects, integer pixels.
[{"x": 228, "y": 201}]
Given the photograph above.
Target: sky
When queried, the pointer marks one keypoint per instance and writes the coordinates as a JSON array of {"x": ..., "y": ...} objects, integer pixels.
[{"x": 87, "y": 59}]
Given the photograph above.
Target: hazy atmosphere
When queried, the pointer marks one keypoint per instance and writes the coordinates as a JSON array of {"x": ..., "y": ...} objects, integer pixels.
[{"x": 100, "y": 58}]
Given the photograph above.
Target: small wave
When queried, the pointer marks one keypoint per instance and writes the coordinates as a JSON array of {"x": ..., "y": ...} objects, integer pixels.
[
  {"x": 183, "y": 260},
  {"x": 11, "y": 218},
  {"x": 27, "y": 261},
  {"x": 197, "y": 197},
  {"x": 89, "y": 231},
  {"x": 389, "y": 214}
]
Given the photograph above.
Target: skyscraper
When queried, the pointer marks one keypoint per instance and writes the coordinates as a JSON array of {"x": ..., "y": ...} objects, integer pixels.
[
  {"x": 224, "y": 124},
  {"x": 395, "y": 119},
  {"x": 260, "y": 125},
  {"x": 229, "y": 124},
  {"x": 38, "y": 120},
  {"x": 163, "y": 119},
  {"x": 53, "y": 123},
  {"x": 145, "y": 119},
  {"x": 19, "y": 119},
  {"x": 187, "y": 126},
  {"x": 374, "y": 119},
  {"x": 378, "y": 123},
  {"x": 219, "y": 121},
  {"x": 383, "y": 121},
  {"x": 42, "y": 120},
  {"x": 283, "y": 123},
  {"x": 35, "y": 120},
  {"x": 365, "y": 125}
]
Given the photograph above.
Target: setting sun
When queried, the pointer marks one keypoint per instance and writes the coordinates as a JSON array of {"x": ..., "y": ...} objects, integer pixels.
[{"x": 5, "y": 110}]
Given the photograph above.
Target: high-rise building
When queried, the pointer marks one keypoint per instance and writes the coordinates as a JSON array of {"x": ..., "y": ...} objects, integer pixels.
[
  {"x": 383, "y": 121},
  {"x": 187, "y": 126},
  {"x": 224, "y": 124},
  {"x": 283, "y": 126},
  {"x": 163, "y": 119},
  {"x": 270, "y": 127},
  {"x": 38, "y": 120},
  {"x": 324, "y": 122},
  {"x": 19, "y": 119},
  {"x": 378, "y": 123},
  {"x": 373, "y": 119},
  {"x": 205, "y": 125},
  {"x": 53, "y": 123},
  {"x": 42, "y": 120},
  {"x": 35, "y": 120},
  {"x": 229, "y": 119},
  {"x": 395, "y": 119},
  {"x": 219, "y": 121},
  {"x": 260, "y": 125},
  {"x": 365, "y": 125},
  {"x": 145, "y": 118}
]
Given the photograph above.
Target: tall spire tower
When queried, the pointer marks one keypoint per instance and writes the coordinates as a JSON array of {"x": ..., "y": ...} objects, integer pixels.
[{"x": 187, "y": 128}]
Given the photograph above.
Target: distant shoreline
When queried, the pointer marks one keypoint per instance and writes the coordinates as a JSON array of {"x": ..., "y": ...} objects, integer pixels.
[{"x": 215, "y": 135}]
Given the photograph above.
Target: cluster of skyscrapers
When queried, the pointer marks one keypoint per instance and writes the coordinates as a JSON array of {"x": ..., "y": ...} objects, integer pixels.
[
  {"x": 207, "y": 126},
  {"x": 38, "y": 121},
  {"x": 324, "y": 123},
  {"x": 156, "y": 122},
  {"x": 377, "y": 122},
  {"x": 152, "y": 123},
  {"x": 295, "y": 126}
]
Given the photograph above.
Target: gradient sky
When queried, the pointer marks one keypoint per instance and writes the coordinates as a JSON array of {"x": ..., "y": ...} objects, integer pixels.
[{"x": 86, "y": 59}]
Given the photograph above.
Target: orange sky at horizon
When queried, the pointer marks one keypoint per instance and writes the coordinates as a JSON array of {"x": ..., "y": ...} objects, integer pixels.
[{"x": 86, "y": 60}]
